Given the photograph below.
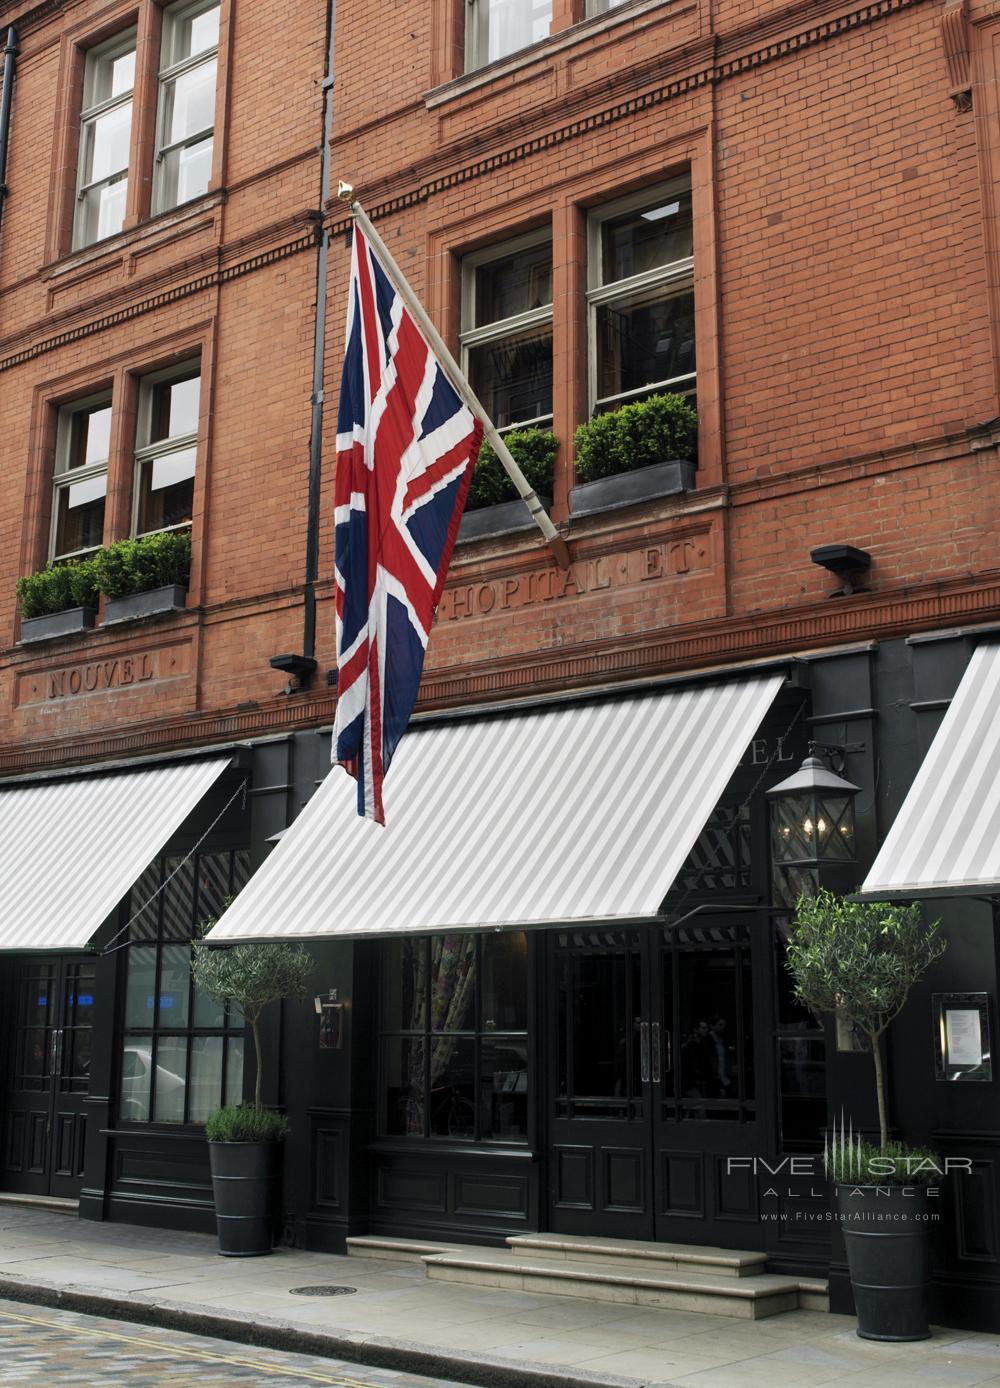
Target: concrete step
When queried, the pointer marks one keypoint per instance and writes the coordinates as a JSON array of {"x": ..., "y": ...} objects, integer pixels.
[
  {"x": 634, "y": 1253},
  {"x": 747, "y": 1298},
  {"x": 55, "y": 1204}
]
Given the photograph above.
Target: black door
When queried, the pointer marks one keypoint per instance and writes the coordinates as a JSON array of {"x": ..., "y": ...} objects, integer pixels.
[
  {"x": 50, "y": 1010},
  {"x": 654, "y": 1084}
]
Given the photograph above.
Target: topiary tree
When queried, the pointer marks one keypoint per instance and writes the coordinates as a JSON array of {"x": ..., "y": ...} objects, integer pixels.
[
  {"x": 859, "y": 960},
  {"x": 253, "y": 976}
]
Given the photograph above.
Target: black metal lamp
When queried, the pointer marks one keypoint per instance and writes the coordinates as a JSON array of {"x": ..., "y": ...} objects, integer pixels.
[{"x": 812, "y": 815}]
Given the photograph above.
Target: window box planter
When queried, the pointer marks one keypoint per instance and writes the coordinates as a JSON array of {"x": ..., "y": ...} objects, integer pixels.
[
  {"x": 172, "y": 598},
  {"x": 55, "y": 624},
  {"x": 502, "y": 519},
  {"x": 628, "y": 488}
]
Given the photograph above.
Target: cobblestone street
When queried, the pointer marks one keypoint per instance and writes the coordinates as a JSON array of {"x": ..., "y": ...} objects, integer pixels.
[{"x": 61, "y": 1349}]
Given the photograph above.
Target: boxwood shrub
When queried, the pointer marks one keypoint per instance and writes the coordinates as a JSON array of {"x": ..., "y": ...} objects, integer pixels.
[
  {"x": 139, "y": 566},
  {"x": 534, "y": 451},
  {"x": 130, "y": 566},
  {"x": 657, "y": 430},
  {"x": 58, "y": 588},
  {"x": 246, "y": 1123}
]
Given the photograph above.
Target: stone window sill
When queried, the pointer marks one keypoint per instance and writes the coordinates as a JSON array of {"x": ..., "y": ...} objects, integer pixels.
[{"x": 162, "y": 226}]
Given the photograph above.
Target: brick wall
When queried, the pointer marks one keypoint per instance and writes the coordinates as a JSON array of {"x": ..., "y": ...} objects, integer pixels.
[{"x": 845, "y": 273}]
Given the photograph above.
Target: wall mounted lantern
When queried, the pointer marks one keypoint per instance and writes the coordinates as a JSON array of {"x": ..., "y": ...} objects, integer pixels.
[{"x": 812, "y": 814}]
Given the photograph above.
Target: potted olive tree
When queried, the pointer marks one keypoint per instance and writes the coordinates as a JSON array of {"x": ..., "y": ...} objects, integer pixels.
[
  {"x": 244, "y": 1141},
  {"x": 859, "y": 960}
]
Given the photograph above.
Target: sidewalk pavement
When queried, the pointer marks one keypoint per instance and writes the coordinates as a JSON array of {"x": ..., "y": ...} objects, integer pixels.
[{"x": 477, "y": 1335}]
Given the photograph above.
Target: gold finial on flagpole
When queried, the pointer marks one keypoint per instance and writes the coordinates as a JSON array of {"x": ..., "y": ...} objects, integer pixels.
[{"x": 345, "y": 191}]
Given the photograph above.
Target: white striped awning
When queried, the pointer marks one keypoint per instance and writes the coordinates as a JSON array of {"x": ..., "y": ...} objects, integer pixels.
[
  {"x": 582, "y": 811},
  {"x": 70, "y": 850},
  {"x": 946, "y": 838}
]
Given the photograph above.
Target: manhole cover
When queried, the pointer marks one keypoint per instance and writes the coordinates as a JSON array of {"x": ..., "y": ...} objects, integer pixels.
[{"x": 326, "y": 1289}]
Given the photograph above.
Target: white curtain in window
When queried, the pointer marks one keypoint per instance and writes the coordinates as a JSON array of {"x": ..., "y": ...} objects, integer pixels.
[{"x": 513, "y": 24}]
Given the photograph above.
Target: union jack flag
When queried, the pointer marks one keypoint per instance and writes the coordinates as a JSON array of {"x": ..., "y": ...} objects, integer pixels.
[{"x": 406, "y": 447}]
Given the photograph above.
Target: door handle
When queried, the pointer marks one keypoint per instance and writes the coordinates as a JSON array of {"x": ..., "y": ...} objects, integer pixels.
[
  {"x": 656, "y": 1053},
  {"x": 55, "y": 1064},
  {"x": 644, "y": 1052}
]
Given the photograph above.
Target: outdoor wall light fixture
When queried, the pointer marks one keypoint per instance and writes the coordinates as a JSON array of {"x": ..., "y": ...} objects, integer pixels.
[
  {"x": 849, "y": 565},
  {"x": 812, "y": 812},
  {"x": 299, "y": 668}
]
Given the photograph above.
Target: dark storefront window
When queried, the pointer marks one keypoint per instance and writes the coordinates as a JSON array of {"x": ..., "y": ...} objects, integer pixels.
[
  {"x": 182, "y": 1053},
  {"x": 801, "y": 1059},
  {"x": 455, "y": 1038}
]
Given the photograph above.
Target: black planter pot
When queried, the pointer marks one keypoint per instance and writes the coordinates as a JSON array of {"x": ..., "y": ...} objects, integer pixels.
[
  {"x": 885, "y": 1232},
  {"x": 149, "y": 604},
  {"x": 55, "y": 624},
  {"x": 629, "y": 488},
  {"x": 244, "y": 1183},
  {"x": 502, "y": 519}
]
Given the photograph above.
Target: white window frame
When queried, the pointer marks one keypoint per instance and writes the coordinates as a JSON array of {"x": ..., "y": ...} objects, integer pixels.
[
  {"x": 502, "y": 328},
  {"x": 477, "y": 36},
  {"x": 64, "y": 476},
  {"x": 116, "y": 47},
  {"x": 676, "y": 277},
  {"x": 167, "y": 77},
  {"x": 146, "y": 452}
]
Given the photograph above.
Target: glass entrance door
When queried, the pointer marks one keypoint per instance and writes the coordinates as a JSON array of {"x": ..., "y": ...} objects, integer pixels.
[
  {"x": 654, "y": 1080},
  {"x": 47, "y": 1048}
]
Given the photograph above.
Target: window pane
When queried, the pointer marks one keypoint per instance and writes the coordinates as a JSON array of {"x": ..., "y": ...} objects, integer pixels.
[
  {"x": 405, "y": 972},
  {"x": 513, "y": 377},
  {"x": 80, "y": 515},
  {"x": 109, "y": 75},
  {"x": 207, "y": 1012},
  {"x": 404, "y": 1086},
  {"x": 143, "y": 927},
  {"x": 514, "y": 285},
  {"x": 175, "y": 974},
  {"x": 186, "y": 172},
  {"x": 710, "y": 1019},
  {"x": 646, "y": 240},
  {"x": 642, "y": 339},
  {"x": 453, "y": 1088},
  {"x": 234, "y": 1070},
  {"x": 213, "y": 884},
  {"x": 105, "y": 143},
  {"x": 513, "y": 24},
  {"x": 189, "y": 103},
  {"x": 137, "y": 1070},
  {"x": 505, "y": 981},
  {"x": 453, "y": 982},
  {"x": 178, "y": 898},
  {"x": 140, "y": 995},
  {"x": 174, "y": 409},
  {"x": 102, "y": 211},
  {"x": 503, "y": 1089},
  {"x": 166, "y": 491},
  {"x": 171, "y": 1061},
  {"x": 89, "y": 437},
  {"x": 206, "y": 1077},
  {"x": 187, "y": 35}
]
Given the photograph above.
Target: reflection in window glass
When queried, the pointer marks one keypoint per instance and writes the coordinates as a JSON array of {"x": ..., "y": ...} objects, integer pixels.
[
  {"x": 175, "y": 978},
  {"x": 171, "y": 1067},
  {"x": 206, "y": 1076},
  {"x": 513, "y": 284},
  {"x": 187, "y": 105},
  {"x": 105, "y": 137},
  {"x": 656, "y": 237},
  {"x": 140, "y": 993},
  {"x": 645, "y": 339},
  {"x": 513, "y": 377},
  {"x": 453, "y": 1072},
  {"x": 137, "y": 1073}
]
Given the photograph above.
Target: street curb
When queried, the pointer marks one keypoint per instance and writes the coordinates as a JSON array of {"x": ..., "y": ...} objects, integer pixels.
[{"x": 375, "y": 1352}]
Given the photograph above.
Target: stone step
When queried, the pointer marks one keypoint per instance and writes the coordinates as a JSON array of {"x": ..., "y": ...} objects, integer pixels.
[
  {"x": 55, "y": 1204},
  {"x": 634, "y": 1253},
  {"x": 394, "y": 1250},
  {"x": 747, "y": 1298}
]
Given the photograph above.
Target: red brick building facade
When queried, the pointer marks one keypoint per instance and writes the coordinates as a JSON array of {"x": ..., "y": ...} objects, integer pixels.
[{"x": 842, "y": 270}]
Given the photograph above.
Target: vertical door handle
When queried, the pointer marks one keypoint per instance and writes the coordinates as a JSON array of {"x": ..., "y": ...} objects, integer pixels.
[
  {"x": 656, "y": 1053},
  {"x": 53, "y": 1052},
  {"x": 644, "y": 1052}
]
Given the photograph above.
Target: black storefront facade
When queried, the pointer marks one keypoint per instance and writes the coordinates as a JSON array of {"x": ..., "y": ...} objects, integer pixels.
[{"x": 647, "y": 1080}]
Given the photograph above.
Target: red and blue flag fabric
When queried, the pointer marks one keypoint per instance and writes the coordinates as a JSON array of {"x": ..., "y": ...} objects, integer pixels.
[{"x": 406, "y": 447}]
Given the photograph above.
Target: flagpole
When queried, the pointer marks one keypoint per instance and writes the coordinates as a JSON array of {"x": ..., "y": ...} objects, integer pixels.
[{"x": 524, "y": 489}]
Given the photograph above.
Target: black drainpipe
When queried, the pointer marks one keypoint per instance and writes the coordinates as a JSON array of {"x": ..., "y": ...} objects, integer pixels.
[
  {"x": 319, "y": 353},
  {"x": 10, "y": 52}
]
